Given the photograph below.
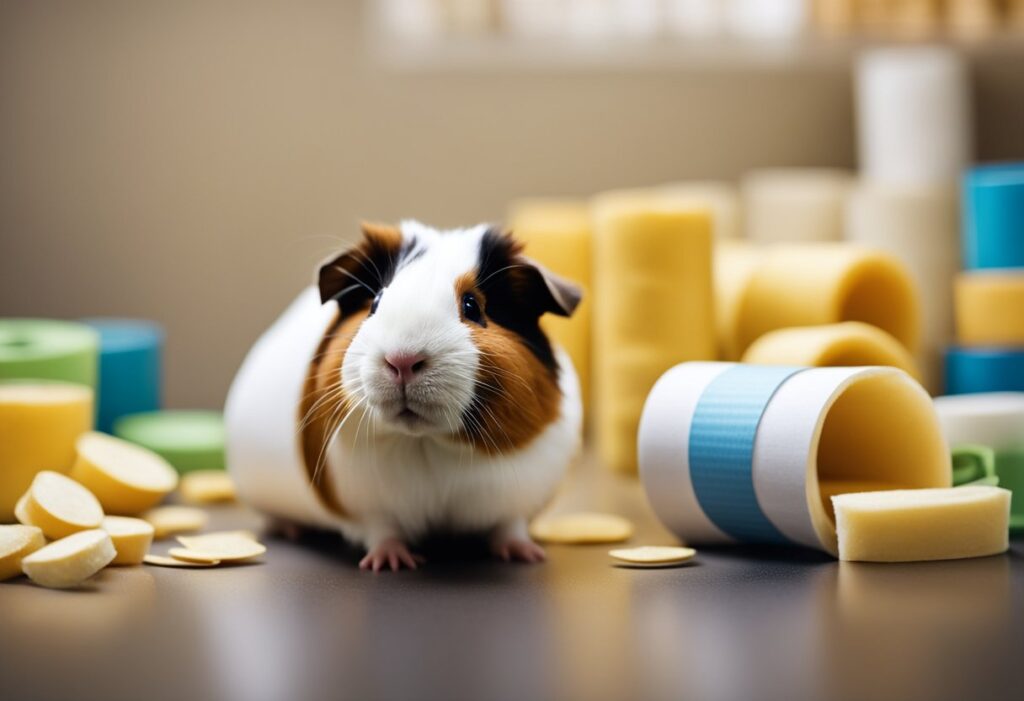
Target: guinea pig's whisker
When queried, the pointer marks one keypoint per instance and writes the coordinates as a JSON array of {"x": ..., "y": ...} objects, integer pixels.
[
  {"x": 359, "y": 282},
  {"x": 498, "y": 271}
]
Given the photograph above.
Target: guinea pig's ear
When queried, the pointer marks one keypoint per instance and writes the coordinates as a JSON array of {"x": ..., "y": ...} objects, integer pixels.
[
  {"x": 353, "y": 278},
  {"x": 553, "y": 293}
]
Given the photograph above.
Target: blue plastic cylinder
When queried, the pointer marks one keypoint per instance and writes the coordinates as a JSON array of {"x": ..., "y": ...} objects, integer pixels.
[
  {"x": 131, "y": 368},
  {"x": 971, "y": 370},
  {"x": 993, "y": 212}
]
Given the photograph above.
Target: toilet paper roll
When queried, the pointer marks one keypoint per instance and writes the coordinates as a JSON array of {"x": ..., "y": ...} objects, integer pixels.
[
  {"x": 826, "y": 283},
  {"x": 39, "y": 424},
  {"x": 921, "y": 227},
  {"x": 993, "y": 419},
  {"x": 848, "y": 344},
  {"x": 49, "y": 350},
  {"x": 720, "y": 198},
  {"x": 263, "y": 449},
  {"x": 747, "y": 453},
  {"x": 990, "y": 308},
  {"x": 189, "y": 440},
  {"x": 653, "y": 308},
  {"x": 994, "y": 216},
  {"x": 795, "y": 204},
  {"x": 974, "y": 370},
  {"x": 557, "y": 233},
  {"x": 131, "y": 353},
  {"x": 913, "y": 115}
]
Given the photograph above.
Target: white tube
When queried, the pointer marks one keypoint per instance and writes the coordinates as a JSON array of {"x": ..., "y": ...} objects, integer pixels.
[
  {"x": 913, "y": 115},
  {"x": 995, "y": 419}
]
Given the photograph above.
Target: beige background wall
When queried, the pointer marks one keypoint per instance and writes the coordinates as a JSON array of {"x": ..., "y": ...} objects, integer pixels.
[{"x": 190, "y": 161}]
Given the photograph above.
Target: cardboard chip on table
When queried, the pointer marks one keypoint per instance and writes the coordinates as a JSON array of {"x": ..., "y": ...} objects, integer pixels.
[
  {"x": 228, "y": 546},
  {"x": 582, "y": 529},
  {"x": 207, "y": 487},
  {"x": 161, "y": 561},
  {"x": 169, "y": 520},
  {"x": 653, "y": 555}
]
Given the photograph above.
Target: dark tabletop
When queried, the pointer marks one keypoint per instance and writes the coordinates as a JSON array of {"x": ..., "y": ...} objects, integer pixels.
[{"x": 734, "y": 624}]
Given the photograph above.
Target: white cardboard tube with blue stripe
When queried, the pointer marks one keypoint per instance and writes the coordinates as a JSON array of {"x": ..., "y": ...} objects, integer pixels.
[{"x": 746, "y": 453}]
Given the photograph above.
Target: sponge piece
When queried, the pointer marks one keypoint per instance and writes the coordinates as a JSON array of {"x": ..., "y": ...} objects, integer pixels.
[
  {"x": 70, "y": 561},
  {"x": 126, "y": 478},
  {"x": 59, "y": 506},
  {"x": 922, "y": 524},
  {"x": 16, "y": 542}
]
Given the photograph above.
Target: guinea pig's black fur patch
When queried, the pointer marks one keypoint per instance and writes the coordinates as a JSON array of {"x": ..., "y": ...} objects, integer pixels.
[{"x": 516, "y": 293}]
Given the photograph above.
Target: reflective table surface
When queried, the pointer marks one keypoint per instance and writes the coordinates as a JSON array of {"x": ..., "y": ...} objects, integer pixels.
[{"x": 738, "y": 623}]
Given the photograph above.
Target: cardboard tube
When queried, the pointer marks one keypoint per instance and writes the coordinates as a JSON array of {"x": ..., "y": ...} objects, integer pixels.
[
  {"x": 46, "y": 349},
  {"x": 751, "y": 453},
  {"x": 795, "y": 204},
  {"x": 735, "y": 263},
  {"x": 913, "y": 115},
  {"x": 921, "y": 227},
  {"x": 131, "y": 360},
  {"x": 39, "y": 424},
  {"x": 990, "y": 308},
  {"x": 717, "y": 197},
  {"x": 557, "y": 234},
  {"x": 850, "y": 343},
  {"x": 827, "y": 283},
  {"x": 263, "y": 452},
  {"x": 653, "y": 308},
  {"x": 993, "y": 216}
]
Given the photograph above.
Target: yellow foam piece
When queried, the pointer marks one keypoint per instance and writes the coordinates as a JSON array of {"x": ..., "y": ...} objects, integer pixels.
[
  {"x": 990, "y": 308},
  {"x": 735, "y": 263},
  {"x": 207, "y": 487},
  {"x": 847, "y": 344},
  {"x": 922, "y": 524},
  {"x": 59, "y": 506},
  {"x": 70, "y": 561},
  {"x": 131, "y": 536},
  {"x": 169, "y": 520},
  {"x": 226, "y": 546},
  {"x": 820, "y": 283},
  {"x": 126, "y": 478},
  {"x": 39, "y": 424},
  {"x": 557, "y": 235},
  {"x": 720, "y": 199},
  {"x": 162, "y": 561},
  {"x": 584, "y": 528},
  {"x": 653, "y": 308},
  {"x": 16, "y": 542},
  {"x": 653, "y": 555}
]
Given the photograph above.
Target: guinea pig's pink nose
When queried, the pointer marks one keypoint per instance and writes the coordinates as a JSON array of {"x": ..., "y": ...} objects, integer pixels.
[{"x": 405, "y": 366}]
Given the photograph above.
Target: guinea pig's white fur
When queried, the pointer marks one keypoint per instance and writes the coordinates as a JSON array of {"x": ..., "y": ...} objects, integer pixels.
[{"x": 399, "y": 478}]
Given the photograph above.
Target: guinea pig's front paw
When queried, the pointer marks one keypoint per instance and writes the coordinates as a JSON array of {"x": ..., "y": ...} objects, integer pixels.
[
  {"x": 517, "y": 550},
  {"x": 390, "y": 552}
]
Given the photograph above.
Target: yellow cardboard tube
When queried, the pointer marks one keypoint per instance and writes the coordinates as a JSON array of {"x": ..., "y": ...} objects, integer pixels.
[
  {"x": 557, "y": 234},
  {"x": 720, "y": 198},
  {"x": 826, "y": 283},
  {"x": 847, "y": 344},
  {"x": 734, "y": 265},
  {"x": 653, "y": 308},
  {"x": 990, "y": 308},
  {"x": 39, "y": 424}
]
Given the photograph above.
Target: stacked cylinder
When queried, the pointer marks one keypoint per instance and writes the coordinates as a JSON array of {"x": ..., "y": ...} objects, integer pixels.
[{"x": 989, "y": 292}]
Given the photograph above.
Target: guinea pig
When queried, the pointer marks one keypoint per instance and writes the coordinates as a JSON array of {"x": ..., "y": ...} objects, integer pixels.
[{"x": 427, "y": 397}]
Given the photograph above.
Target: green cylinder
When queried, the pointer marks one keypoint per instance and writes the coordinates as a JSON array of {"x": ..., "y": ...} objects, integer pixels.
[
  {"x": 48, "y": 349},
  {"x": 189, "y": 440}
]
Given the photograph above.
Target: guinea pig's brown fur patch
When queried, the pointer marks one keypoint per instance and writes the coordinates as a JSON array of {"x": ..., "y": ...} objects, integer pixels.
[
  {"x": 517, "y": 393},
  {"x": 325, "y": 405}
]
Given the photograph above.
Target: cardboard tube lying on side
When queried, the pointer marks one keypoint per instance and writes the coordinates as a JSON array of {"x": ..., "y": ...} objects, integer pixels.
[
  {"x": 557, "y": 234},
  {"x": 653, "y": 308},
  {"x": 748, "y": 453},
  {"x": 827, "y": 283},
  {"x": 851, "y": 343}
]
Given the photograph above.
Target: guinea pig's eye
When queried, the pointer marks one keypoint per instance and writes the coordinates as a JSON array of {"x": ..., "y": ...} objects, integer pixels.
[
  {"x": 375, "y": 302},
  {"x": 471, "y": 309}
]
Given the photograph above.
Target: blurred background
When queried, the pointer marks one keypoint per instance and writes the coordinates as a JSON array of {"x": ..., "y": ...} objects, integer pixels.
[{"x": 191, "y": 162}]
